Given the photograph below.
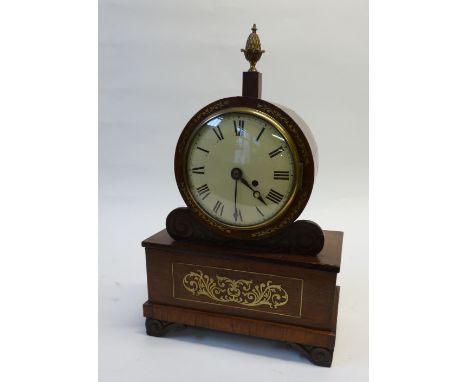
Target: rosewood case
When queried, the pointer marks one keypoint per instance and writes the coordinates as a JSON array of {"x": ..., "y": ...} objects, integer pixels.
[{"x": 281, "y": 296}]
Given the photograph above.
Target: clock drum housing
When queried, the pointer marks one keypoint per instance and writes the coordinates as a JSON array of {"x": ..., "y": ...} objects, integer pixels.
[{"x": 303, "y": 150}]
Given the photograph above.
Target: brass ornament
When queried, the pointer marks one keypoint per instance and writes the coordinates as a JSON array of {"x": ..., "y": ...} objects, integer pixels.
[
  {"x": 242, "y": 292},
  {"x": 253, "y": 49}
]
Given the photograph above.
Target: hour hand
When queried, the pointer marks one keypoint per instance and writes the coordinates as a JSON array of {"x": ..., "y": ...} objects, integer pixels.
[
  {"x": 244, "y": 182},
  {"x": 256, "y": 194}
]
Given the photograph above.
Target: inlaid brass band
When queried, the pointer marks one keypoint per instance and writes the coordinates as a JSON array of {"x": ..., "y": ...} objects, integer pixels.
[
  {"x": 238, "y": 289},
  {"x": 243, "y": 292}
]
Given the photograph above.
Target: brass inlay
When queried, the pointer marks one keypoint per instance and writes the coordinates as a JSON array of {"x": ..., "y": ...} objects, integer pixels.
[
  {"x": 257, "y": 309},
  {"x": 243, "y": 292}
]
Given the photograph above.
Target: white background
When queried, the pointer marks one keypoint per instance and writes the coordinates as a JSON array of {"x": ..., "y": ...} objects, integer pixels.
[
  {"x": 48, "y": 163},
  {"x": 160, "y": 62}
]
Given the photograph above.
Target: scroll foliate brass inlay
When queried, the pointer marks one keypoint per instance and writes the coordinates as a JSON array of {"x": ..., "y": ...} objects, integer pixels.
[{"x": 243, "y": 292}]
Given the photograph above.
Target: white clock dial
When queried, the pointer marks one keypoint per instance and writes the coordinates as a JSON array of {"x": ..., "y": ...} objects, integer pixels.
[{"x": 240, "y": 169}]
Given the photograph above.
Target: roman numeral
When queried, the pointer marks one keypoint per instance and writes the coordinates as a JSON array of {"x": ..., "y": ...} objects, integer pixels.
[
  {"x": 276, "y": 152},
  {"x": 238, "y": 214},
  {"x": 281, "y": 175},
  {"x": 203, "y": 191},
  {"x": 218, "y": 132},
  {"x": 260, "y": 212},
  {"x": 206, "y": 151},
  {"x": 198, "y": 170},
  {"x": 260, "y": 134},
  {"x": 274, "y": 196},
  {"x": 239, "y": 128},
  {"x": 218, "y": 207}
]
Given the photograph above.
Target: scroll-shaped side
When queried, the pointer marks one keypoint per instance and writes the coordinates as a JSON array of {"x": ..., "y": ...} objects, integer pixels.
[{"x": 302, "y": 236}]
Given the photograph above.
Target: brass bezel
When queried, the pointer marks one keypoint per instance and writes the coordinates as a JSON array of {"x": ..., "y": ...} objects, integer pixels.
[{"x": 292, "y": 146}]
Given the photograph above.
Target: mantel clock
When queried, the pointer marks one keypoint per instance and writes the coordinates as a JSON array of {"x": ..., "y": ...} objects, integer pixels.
[{"x": 235, "y": 258}]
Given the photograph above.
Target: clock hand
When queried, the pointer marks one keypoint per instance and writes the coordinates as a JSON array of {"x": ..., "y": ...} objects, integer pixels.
[
  {"x": 256, "y": 194},
  {"x": 244, "y": 182},
  {"x": 236, "y": 173},
  {"x": 235, "y": 201}
]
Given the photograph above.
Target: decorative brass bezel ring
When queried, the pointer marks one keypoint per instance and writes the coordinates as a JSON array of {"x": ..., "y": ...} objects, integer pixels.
[{"x": 302, "y": 157}]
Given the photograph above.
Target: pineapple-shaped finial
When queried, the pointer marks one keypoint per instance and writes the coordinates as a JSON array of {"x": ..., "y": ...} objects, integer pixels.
[{"x": 253, "y": 49}]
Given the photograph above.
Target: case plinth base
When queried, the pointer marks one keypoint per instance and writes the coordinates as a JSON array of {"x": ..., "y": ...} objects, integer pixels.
[{"x": 285, "y": 297}]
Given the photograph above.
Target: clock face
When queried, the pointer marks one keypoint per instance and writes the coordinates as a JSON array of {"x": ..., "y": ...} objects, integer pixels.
[{"x": 240, "y": 169}]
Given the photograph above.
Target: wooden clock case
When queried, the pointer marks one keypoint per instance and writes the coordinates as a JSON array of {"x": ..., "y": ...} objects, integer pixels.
[
  {"x": 282, "y": 287},
  {"x": 304, "y": 147}
]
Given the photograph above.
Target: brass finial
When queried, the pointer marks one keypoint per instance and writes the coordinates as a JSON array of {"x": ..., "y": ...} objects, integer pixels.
[{"x": 253, "y": 49}]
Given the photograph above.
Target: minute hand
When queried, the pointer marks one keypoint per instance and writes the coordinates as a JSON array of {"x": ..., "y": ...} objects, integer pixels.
[{"x": 256, "y": 194}]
